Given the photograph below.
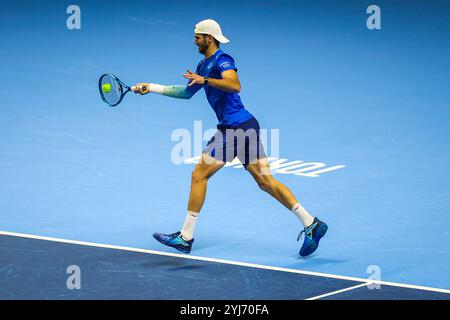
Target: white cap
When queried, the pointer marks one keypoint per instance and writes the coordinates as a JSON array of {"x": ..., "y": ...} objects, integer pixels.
[{"x": 210, "y": 27}]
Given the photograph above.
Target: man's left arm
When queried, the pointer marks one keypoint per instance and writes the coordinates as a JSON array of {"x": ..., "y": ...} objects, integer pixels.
[{"x": 229, "y": 82}]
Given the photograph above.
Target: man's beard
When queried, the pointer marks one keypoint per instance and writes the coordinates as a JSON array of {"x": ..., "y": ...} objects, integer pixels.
[{"x": 203, "y": 49}]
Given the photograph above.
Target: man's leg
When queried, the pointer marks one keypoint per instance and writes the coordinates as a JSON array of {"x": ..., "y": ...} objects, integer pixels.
[
  {"x": 260, "y": 171},
  {"x": 183, "y": 239},
  {"x": 314, "y": 228},
  {"x": 204, "y": 170}
]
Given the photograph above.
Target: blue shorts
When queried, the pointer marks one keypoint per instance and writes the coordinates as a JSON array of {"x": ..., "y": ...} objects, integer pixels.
[{"x": 242, "y": 141}]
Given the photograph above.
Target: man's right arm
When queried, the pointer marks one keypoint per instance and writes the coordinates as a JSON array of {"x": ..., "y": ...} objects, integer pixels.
[{"x": 174, "y": 91}]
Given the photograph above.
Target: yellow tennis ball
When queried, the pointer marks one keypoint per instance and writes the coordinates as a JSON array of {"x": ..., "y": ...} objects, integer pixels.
[{"x": 106, "y": 87}]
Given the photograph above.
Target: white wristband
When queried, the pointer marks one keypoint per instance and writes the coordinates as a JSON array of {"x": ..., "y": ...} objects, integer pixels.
[{"x": 156, "y": 88}]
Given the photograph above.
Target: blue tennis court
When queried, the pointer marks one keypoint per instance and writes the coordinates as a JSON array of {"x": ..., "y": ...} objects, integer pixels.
[{"x": 360, "y": 118}]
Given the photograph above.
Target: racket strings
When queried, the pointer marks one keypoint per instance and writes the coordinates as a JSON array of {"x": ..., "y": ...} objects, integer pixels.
[{"x": 114, "y": 95}]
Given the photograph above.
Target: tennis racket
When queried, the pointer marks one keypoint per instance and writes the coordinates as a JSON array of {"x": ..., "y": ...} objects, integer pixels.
[{"x": 112, "y": 90}]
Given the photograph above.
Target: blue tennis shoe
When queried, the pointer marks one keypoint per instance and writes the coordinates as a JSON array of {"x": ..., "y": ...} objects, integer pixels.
[
  {"x": 174, "y": 240},
  {"x": 313, "y": 234}
]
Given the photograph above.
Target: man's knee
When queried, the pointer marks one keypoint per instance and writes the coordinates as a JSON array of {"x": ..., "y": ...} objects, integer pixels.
[
  {"x": 197, "y": 176},
  {"x": 265, "y": 184}
]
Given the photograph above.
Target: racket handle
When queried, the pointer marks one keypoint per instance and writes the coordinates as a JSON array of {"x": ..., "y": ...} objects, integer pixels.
[{"x": 134, "y": 88}]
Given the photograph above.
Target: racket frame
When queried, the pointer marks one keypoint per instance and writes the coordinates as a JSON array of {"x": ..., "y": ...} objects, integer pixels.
[{"x": 124, "y": 89}]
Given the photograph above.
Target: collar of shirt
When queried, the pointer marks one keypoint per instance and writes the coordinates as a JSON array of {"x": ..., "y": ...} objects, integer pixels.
[{"x": 213, "y": 55}]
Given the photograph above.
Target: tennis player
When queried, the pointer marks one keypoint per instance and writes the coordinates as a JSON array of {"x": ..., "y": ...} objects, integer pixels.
[{"x": 237, "y": 135}]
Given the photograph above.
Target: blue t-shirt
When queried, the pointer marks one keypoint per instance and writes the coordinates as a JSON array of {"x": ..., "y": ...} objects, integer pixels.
[{"x": 228, "y": 106}]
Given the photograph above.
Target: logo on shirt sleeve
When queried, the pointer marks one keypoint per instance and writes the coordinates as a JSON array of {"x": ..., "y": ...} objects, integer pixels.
[{"x": 225, "y": 64}]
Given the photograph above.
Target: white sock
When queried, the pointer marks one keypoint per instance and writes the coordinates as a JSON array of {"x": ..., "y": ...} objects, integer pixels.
[
  {"x": 302, "y": 214},
  {"x": 189, "y": 225}
]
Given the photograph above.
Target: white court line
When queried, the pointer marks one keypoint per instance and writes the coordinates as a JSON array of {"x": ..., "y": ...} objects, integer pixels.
[
  {"x": 337, "y": 291},
  {"x": 243, "y": 264}
]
